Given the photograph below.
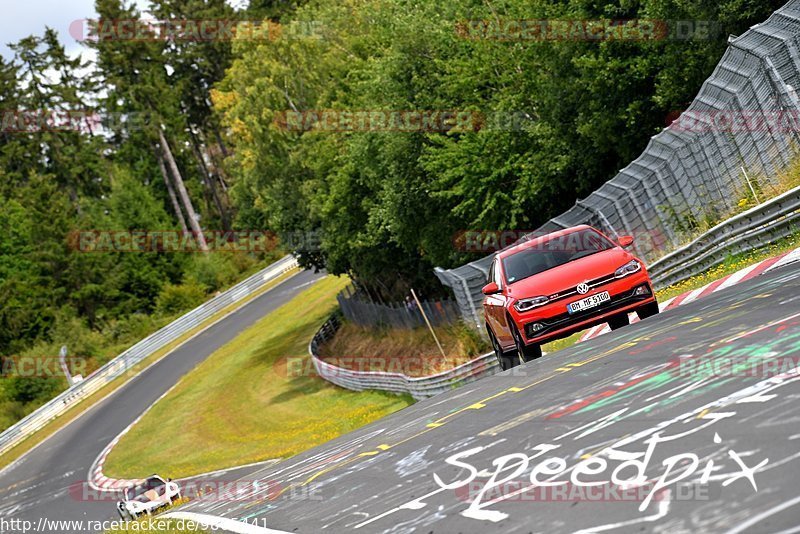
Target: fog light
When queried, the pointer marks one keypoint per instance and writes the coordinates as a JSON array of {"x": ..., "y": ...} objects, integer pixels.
[
  {"x": 641, "y": 290},
  {"x": 536, "y": 327}
]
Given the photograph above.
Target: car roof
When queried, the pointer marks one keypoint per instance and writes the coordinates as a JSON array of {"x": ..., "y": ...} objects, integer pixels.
[{"x": 541, "y": 239}]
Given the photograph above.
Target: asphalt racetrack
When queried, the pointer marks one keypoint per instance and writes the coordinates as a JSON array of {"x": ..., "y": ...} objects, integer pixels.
[
  {"x": 685, "y": 422},
  {"x": 48, "y": 482}
]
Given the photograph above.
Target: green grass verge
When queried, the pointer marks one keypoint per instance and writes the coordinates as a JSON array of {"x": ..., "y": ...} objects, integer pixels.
[
  {"x": 80, "y": 408},
  {"x": 563, "y": 343},
  {"x": 242, "y": 405},
  {"x": 161, "y": 526}
]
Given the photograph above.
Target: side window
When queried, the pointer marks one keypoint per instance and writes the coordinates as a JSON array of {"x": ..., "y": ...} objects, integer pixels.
[
  {"x": 498, "y": 279},
  {"x": 490, "y": 277}
]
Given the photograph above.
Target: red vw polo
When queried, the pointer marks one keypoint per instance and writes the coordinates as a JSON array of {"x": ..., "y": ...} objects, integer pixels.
[{"x": 557, "y": 284}]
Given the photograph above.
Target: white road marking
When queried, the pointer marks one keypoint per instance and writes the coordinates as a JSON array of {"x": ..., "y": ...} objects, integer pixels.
[
  {"x": 742, "y": 527},
  {"x": 694, "y": 294},
  {"x": 759, "y": 329},
  {"x": 737, "y": 277},
  {"x": 791, "y": 257},
  {"x": 663, "y": 509}
]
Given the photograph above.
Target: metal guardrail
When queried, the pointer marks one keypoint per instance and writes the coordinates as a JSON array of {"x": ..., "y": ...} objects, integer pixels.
[
  {"x": 747, "y": 231},
  {"x": 15, "y": 434},
  {"x": 418, "y": 387}
]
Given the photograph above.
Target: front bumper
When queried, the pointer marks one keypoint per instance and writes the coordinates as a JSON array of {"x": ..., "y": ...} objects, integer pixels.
[{"x": 565, "y": 324}]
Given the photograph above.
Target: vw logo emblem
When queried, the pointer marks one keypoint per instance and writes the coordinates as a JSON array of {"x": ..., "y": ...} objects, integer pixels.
[{"x": 583, "y": 288}]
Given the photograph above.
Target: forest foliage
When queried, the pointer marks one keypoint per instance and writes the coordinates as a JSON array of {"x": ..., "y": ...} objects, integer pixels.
[
  {"x": 140, "y": 107},
  {"x": 572, "y": 111},
  {"x": 197, "y": 139}
]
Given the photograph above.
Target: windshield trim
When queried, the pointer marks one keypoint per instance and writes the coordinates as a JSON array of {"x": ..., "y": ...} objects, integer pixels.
[{"x": 604, "y": 238}]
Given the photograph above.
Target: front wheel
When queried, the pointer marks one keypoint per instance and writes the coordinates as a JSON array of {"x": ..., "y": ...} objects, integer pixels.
[
  {"x": 506, "y": 360},
  {"x": 648, "y": 310},
  {"x": 526, "y": 352},
  {"x": 618, "y": 321}
]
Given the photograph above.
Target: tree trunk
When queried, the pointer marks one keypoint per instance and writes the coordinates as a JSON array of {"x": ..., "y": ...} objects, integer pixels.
[
  {"x": 217, "y": 159},
  {"x": 187, "y": 202},
  {"x": 171, "y": 191},
  {"x": 210, "y": 184},
  {"x": 220, "y": 142}
]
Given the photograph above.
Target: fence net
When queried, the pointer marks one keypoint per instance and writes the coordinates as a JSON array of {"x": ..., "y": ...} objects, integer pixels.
[{"x": 357, "y": 307}]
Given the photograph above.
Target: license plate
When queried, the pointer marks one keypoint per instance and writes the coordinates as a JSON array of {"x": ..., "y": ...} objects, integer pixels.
[{"x": 588, "y": 302}]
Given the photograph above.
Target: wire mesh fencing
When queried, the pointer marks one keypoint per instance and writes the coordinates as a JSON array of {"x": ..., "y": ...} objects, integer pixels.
[{"x": 359, "y": 308}]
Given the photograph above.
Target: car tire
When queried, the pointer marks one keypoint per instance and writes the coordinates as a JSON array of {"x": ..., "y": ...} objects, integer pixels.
[
  {"x": 618, "y": 321},
  {"x": 648, "y": 310},
  {"x": 526, "y": 352},
  {"x": 507, "y": 360}
]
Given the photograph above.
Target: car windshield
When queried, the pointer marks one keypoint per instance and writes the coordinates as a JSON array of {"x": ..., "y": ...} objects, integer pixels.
[
  {"x": 138, "y": 492},
  {"x": 552, "y": 253}
]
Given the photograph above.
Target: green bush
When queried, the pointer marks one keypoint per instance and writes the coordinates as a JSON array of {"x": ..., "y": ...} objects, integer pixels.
[
  {"x": 11, "y": 412},
  {"x": 213, "y": 271},
  {"x": 175, "y": 299},
  {"x": 25, "y": 389},
  {"x": 471, "y": 341}
]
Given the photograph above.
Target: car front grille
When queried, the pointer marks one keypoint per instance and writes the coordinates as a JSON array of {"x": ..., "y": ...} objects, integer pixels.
[
  {"x": 566, "y": 319},
  {"x": 597, "y": 282}
]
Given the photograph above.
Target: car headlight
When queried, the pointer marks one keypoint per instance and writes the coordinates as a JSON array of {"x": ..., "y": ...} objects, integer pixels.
[
  {"x": 631, "y": 267},
  {"x": 528, "y": 304}
]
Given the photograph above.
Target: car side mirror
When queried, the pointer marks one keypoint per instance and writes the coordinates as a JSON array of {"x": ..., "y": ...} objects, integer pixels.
[
  {"x": 625, "y": 241},
  {"x": 490, "y": 289}
]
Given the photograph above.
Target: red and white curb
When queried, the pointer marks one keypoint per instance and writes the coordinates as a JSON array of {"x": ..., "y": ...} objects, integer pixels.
[
  {"x": 717, "y": 285},
  {"x": 97, "y": 480},
  {"x": 100, "y": 482}
]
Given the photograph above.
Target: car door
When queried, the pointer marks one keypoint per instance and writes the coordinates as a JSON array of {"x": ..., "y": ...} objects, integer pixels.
[
  {"x": 504, "y": 336},
  {"x": 494, "y": 306}
]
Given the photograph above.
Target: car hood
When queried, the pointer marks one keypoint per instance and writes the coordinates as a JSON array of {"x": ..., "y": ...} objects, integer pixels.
[{"x": 569, "y": 275}]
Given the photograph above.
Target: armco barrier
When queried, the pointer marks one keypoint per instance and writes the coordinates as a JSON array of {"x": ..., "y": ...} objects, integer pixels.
[
  {"x": 116, "y": 367},
  {"x": 750, "y": 230},
  {"x": 418, "y": 387}
]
